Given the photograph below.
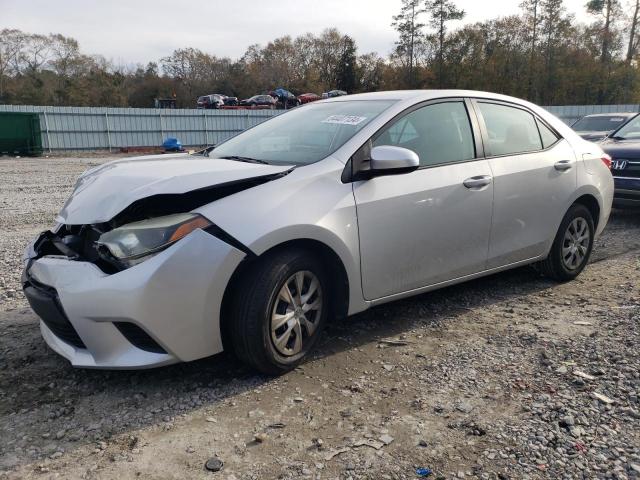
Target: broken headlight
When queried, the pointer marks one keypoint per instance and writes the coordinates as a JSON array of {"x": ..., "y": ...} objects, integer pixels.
[{"x": 135, "y": 242}]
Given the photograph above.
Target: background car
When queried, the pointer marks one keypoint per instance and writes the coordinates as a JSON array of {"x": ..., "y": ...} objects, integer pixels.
[
  {"x": 597, "y": 126},
  {"x": 623, "y": 146},
  {"x": 259, "y": 100},
  {"x": 308, "y": 97},
  {"x": 211, "y": 101},
  {"x": 231, "y": 101},
  {"x": 284, "y": 98},
  {"x": 334, "y": 93}
]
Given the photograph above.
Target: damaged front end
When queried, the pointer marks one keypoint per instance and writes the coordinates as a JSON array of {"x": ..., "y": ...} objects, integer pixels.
[
  {"x": 142, "y": 229},
  {"x": 99, "y": 312},
  {"x": 76, "y": 242}
]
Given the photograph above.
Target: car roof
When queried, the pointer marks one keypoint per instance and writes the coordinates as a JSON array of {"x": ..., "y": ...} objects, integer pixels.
[
  {"x": 613, "y": 114},
  {"x": 422, "y": 95}
]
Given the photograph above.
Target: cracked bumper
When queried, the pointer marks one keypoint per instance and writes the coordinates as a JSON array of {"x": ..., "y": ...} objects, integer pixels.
[{"x": 173, "y": 297}]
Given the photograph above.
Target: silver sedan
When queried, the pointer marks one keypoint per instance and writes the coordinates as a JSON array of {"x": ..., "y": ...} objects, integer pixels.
[{"x": 318, "y": 213}]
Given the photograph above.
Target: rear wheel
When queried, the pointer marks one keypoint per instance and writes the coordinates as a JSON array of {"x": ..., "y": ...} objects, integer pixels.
[
  {"x": 280, "y": 308},
  {"x": 572, "y": 246}
]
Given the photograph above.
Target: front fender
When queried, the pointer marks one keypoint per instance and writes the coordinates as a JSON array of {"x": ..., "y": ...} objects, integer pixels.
[{"x": 311, "y": 203}]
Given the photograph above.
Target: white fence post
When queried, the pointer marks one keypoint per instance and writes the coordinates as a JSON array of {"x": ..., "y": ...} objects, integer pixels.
[
  {"x": 106, "y": 119},
  {"x": 46, "y": 126}
]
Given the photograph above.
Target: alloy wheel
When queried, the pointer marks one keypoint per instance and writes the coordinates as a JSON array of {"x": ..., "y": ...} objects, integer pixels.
[
  {"x": 575, "y": 244},
  {"x": 296, "y": 313}
]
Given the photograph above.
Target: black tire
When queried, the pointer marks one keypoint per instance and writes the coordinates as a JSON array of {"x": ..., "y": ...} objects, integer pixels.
[
  {"x": 554, "y": 266},
  {"x": 253, "y": 304}
]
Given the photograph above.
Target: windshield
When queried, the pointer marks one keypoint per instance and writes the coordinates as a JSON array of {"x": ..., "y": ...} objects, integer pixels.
[
  {"x": 599, "y": 124},
  {"x": 303, "y": 135},
  {"x": 630, "y": 130}
]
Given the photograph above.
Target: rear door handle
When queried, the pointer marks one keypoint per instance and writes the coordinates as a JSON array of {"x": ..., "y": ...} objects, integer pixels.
[
  {"x": 563, "y": 165},
  {"x": 477, "y": 182}
]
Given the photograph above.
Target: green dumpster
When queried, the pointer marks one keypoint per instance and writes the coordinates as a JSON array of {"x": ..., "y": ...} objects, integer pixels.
[{"x": 20, "y": 134}]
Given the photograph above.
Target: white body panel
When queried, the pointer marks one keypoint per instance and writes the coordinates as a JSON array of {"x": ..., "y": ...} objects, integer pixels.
[{"x": 422, "y": 228}]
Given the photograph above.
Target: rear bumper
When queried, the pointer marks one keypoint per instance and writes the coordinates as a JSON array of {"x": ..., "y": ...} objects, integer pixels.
[
  {"x": 164, "y": 310},
  {"x": 627, "y": 192}
]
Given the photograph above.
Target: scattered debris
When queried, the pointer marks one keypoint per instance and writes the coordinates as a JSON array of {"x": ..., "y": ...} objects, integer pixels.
[
  {"x": 602, "y": 398},
  {"x": 423, "y": 472},
  {"x": 277, "y": 425},
  {"x": 393, "y": 343},
  {"x": 214, "y": 464},
  {"x": 386, "y": 439},
  {"x": 333, "y": 453},
  {"x": 582, "y": 322},
  {"x": 369, "y": 442},
  {"x": 581, "y": 374},
  {"x": 464, "y": 407},
  {"x": 260, "y": 437}
]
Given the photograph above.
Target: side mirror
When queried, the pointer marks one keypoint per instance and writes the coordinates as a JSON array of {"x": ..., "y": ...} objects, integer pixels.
[{"x": 387, "y": 160}]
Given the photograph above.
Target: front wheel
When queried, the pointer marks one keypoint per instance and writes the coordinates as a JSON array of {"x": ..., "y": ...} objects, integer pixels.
[
  {"x": 572, "y": 245},
  {"x": 280, "y": 308}
]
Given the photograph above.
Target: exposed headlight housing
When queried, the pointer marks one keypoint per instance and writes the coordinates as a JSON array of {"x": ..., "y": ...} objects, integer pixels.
[{"x": 135, "y": 242}]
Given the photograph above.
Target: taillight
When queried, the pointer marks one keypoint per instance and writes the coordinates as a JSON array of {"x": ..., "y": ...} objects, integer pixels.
[{"x": 606, "y": 159}]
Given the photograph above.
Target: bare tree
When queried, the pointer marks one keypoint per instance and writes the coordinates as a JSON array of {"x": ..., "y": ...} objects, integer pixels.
[
  {"x": 35, "y": 54},
  {"x": 407, "y": 24},
  {"x": 531, "y": 10},
  {"x": 608, "y": 11},
  {"x": 11, "y": 43},
  {"x": 634, "y": 36},
  {"x": 442, "y": 12}
]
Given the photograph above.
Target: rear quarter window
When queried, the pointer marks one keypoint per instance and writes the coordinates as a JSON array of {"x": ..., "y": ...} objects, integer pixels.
[{"x": 547, "y": 135}]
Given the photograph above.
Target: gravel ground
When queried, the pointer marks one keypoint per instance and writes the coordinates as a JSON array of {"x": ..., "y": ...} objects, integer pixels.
[{"x": 508, "y": 377}]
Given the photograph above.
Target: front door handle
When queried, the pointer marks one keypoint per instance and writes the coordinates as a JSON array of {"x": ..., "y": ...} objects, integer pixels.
[
  {"x": 563, "y": 165},
  {"x": 477, "y": 182}
]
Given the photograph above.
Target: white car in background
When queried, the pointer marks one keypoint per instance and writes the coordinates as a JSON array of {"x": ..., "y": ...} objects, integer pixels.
[{"x": 321, "y": 212}]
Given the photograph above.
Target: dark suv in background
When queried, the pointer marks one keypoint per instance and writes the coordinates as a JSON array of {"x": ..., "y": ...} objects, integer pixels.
[
  {"x": 597, "y": 126},
  {"x": 623, "y": 146}
]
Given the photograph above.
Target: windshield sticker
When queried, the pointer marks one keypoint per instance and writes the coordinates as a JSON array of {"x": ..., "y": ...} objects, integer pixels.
[
  {"x": 616, "y": 119},
  {"x": 345, "y": 119}
]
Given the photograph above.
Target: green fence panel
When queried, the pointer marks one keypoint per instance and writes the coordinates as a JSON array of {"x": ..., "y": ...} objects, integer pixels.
[{"x": 20, "y": 133}]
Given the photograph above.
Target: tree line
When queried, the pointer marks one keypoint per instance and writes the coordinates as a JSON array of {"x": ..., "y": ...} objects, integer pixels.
[{"x": 542, "y": 54}]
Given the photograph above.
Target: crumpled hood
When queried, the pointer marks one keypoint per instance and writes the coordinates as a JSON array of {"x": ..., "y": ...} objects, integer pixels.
[{"x": 106, "y": 190}]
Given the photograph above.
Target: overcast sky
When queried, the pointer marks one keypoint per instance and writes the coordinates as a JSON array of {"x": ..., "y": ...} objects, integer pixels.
[{"x": 138, "y": 31}]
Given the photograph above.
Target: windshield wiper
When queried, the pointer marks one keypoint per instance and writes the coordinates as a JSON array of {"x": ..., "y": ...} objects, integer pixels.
[
  {"x": 616, "y": 137},
  {"x": 244, "y": 159}
]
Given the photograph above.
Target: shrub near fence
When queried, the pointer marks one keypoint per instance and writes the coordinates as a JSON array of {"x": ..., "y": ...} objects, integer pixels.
[{"x": 95, "y": 128}]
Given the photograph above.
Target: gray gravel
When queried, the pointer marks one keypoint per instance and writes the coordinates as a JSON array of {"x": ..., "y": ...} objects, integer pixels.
[{"x": 510, "y": 376}]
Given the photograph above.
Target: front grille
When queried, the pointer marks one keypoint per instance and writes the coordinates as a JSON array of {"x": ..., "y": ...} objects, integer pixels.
[
  {"x": 45, "y": 302},
  {"x": 623, "y": 167},
  {"x": 138, "y": 337}
]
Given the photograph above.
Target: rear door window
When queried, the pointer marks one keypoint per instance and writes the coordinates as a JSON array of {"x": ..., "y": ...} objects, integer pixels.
[{"x": 510, "y": 130}]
